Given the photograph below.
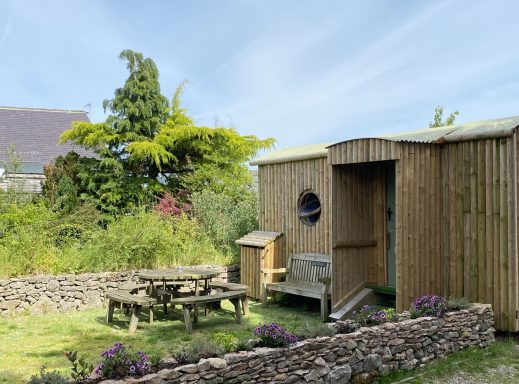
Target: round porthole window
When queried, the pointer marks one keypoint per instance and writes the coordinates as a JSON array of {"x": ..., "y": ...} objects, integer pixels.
[{"x": 309, "y": 207}]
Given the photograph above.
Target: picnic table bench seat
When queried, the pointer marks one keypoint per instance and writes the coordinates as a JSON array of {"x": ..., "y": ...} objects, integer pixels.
[
  {"x": 225, "y": 287},
  {"x": 122, "y": 297},
  {"x": 307, "y": 274},
  {"x": 188, "y": 303}
]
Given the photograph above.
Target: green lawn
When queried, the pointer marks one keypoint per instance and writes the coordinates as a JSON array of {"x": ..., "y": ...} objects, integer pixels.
[
  {"x": 27, "y": 342},
  {"x": 499, "y": 363}
]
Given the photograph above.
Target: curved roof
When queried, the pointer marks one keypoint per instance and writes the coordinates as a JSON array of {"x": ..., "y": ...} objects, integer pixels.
[
  {"x": 285, "y": 155},
  {"x": 477, "y": 130}
]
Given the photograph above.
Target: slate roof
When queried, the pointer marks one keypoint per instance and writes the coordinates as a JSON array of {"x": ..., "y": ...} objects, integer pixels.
[{"x": 35, "y": 133}]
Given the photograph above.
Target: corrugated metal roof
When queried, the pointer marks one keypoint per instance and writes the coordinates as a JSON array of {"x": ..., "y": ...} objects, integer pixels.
[
  {"x": 484, "y": 129},
  {"x": 258, "y": 239},
  {"x": 303, "y": 152}
]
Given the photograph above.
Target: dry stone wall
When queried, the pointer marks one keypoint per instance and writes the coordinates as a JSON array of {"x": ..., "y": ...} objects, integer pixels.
[
  {"x": 357, "y": 357},
  {"x": 43, "y": 294}
]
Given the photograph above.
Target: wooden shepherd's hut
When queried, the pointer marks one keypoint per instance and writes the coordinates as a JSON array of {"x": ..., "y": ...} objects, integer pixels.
[{"x": 433, "y": 211}]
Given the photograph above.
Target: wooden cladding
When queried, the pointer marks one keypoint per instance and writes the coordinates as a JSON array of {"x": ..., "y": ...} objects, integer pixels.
[
  {"x": 358, "y": 228},
  {"x": 363, "y": 151},
  {"x": 418, "y": 219},
  {"x": 280, "y": 186},
  {"x": 479, "y": 221},
  {"x": 254, "y": 259}
]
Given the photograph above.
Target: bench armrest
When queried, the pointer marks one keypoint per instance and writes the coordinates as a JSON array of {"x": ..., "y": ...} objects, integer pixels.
[
  {"x": 325, "y": 280},
  {"x": 275, "y": 270}
]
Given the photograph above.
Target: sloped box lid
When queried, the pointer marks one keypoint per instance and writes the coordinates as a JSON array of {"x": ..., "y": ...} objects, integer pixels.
[{"x": 259, "y": 239}]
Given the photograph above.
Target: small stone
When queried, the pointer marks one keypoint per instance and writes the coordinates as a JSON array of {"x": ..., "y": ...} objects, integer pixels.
[
  {"x": 320, "y": 362},
  {"x": 217, "y": 363}
]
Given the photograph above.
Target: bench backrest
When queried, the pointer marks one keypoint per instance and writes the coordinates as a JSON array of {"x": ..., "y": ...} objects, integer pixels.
[{"x": 309, "y": 267}]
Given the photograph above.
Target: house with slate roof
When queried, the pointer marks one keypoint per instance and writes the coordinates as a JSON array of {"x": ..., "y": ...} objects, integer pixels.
[{"x": 34, "y": 134}]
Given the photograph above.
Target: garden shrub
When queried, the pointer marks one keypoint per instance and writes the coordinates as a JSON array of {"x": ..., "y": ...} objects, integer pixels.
[
  {"x": 457, "y": 303},
  {"x": 310, "y": 331},
  {"x": 120, "y": 361},
  {"x": 428, "y": 305},
  {"x": 45, "y": 377},
  {"x": 228, "y": 341},
  {"x": 199, "y": 348},
  {"x": 373, "y": 315},
  {"x": 273, "y": 335},
  {"x": 226, "y": 218}
]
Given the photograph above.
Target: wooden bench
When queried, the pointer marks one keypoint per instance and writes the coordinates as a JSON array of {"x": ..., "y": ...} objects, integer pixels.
[
  {"x": 226, "y": 287},
  {"x": 136, "y": 302},
  {"x": 308, "y": 275},
  {"x": 188, "y": 303}
]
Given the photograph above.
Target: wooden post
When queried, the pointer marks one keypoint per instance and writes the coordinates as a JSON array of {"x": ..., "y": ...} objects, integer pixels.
[
  {"x": 151, "y": 314},
  {"x": 135, "y": 318},
  {"x": 110, "y": 313},
  {"x": 187, "y": 319},
  {"x": 237, "y": 309},
  {"x": 245, "y": 305}
]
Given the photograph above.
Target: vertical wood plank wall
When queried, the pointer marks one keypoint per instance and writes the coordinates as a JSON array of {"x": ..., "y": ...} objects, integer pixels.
[
  {"x": 480, "y": 225},
  {"x": 358, "y": 215},
  {"x": 280, "y": 186},
  {"x": 254, "y": 259},
  {"x": 418, "y": 222},
  {"x": 457, "y": 220}
]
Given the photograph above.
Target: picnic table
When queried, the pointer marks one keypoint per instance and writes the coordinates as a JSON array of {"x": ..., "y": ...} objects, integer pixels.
[{"x": 179, "y": 275}]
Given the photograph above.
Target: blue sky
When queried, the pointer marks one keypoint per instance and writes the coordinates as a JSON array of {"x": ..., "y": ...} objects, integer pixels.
[{"x": 300, "y": 71}]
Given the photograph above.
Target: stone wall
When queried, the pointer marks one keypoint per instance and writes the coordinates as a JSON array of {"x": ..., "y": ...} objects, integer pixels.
[
  {"x": 357, "y": 357},
  {"x": 42, "y": 294}
]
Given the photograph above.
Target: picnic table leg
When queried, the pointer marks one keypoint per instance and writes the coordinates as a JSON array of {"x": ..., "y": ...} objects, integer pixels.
[
  {"x": 110, "y": 313},
  {"x": 197, "y": 293},
  {"x": 237, "y": 309},
  {"x": 165, "y": 304},
  {"x": 245, "y": 305},
  {"x": 187, "y": 318},
  {"x": 135, "y": 318},
  {"x": 151, "y": 314}
]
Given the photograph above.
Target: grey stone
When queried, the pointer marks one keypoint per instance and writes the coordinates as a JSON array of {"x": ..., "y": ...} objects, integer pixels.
[
  {"x": 371, "y": 362},
  {"x": 217, "y": 363},
  {"x": 340, "y": 374}
]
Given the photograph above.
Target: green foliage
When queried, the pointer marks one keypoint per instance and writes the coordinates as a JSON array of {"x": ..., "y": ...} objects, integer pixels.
[
  {"x": 146, "y": 148},
  {"x": 244, "y": 345},
  {"x": 15, "y": 193},
  {"x": 62, "y": 185},
  {"x": 224, "y": 218},
  {"x": 457, "y": 303},
  {"x": 85, "y": 241},
  {"x": 200, "y": 348},
  {"x": 80, "y": 368},
  {"x": 45, "y": 377},
  {"x": 227, "y": 341},
  {"x": 310, "y": 331},
  {"x": 438, "y": 118}
]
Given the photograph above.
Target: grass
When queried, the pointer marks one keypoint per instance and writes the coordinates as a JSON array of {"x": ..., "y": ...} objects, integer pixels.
[
  {"x": 498, "y": 363},
  {"x": 27, "y": 342}
]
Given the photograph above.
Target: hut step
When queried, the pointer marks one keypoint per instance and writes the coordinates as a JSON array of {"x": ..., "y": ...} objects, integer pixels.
[{"x": 364, "y": 297}]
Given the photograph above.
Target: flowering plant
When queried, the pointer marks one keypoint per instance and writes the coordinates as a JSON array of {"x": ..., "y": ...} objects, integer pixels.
[
  {"x": 428, "y": 305},
  {"x": 371, "y": 315},
  {"x": 119, "y": 361},
  {"x": 273, "y": 335}
]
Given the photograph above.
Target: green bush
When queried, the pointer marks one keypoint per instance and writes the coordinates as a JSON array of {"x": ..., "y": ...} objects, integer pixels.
[
  {"x": 457, "y": 303},
  {"x": 199, "y": 349},
  {"x": 225, "y": 218},
  {"x": 49, "y": 244},
  {"x": 45, "y": 377},
  {"x": 228, "y": 341},
  {"x": 310, "y": 331}
]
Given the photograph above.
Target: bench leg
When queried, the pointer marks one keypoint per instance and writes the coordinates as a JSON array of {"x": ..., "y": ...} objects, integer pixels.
[
  {"x": 264, "y": 295},
  {"x": 245, "y": 305},
  {"x": 110, "y": 313},
  {"x": 165, "y": 309},
  {"x": 237, "y": 309},
  {"x": 324, "y": 307},
  {"x": 135, "y": 318},
  {"x": 187, "y": 318},
  {"x": 151, "y": 314}
]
